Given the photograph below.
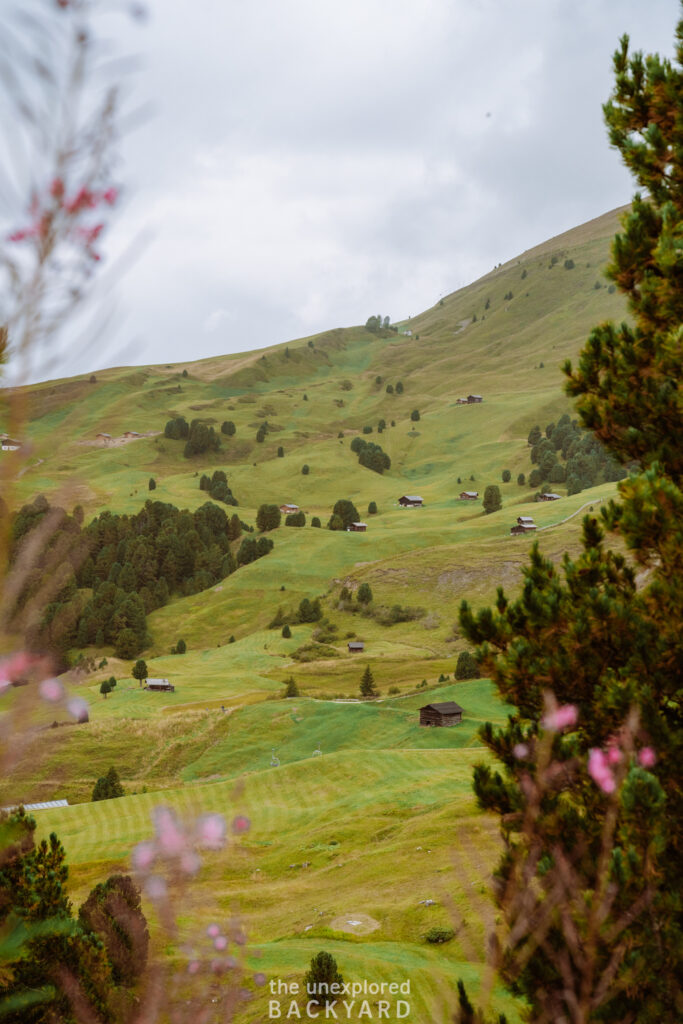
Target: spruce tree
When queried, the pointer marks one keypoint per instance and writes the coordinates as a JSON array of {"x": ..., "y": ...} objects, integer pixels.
[
  {"x": 603, "y": 635},
  {"x": 367, "y": 683}
]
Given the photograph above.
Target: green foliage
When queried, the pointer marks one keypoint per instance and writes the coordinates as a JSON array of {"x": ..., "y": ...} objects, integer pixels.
[
  {"x": 323, "y": 974},
  {"x": 389, "y": 389},
  {"x": 415, "y": 415},
  {"x": 251, "y": 549},
  {"x": 305, "y": 469},
  {"x": 180, "y": 647},
  {"x": 217, "y": 486},
  {"x": 291, "y": 689},
  {"x": 202, "y": 438},
  {"x": 152, "y": 485},
  {"x": 177, "y": 429},
  {"x": 310, "y": 611},
  {"x": 105, "y": 688},
  {"x": 345, "y": 512},
  {"x": 507, "y": 476},
  {"x": 467, "y": 666},
  {"x": 139, "y": 671},
  {"x": 113, "y": 914},
  {"x": 108, "y": 786},
  {"x": 228, "y": 428},
  {"x": 492, "y": 499},
  {"x": 367, "y": 429},
  {"x": 603, "y": 642},
  {"x": 399, "y": 387},
  {"x": 280, "y": 452},
  {"x": 521, "y": 479},
  {"x": 534, "y": 435},
  {"x": 367, "y": 683},
  {"x": 569, "y": 264},
  {"x": 372, "y": 508},
  {"x": 370, "y": 455},
  {"x": 286, "y": 632},
  {"x": 364, "y": 594},
  {"x": 268, "y": 517},
  {"x": 315, "y": 521},
  {"x": 439, "y": 935},
  {"x": 262, "y": 432},
  {"x": 295, "y": 519}
]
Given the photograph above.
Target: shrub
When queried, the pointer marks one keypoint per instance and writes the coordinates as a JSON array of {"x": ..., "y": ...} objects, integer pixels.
[
  {"x": 286, "y": 631},
  {"x": 291, "y": 689},
  {"x": 268, "y": 517},
  {"x": 507, "y": 476},
  {"x": 390, "y": 389},
  {"x": 305, "y": 469},
  {"x": 261, "y": 433},
  {"x": 367, "y": 429},
  {"x": 108, "y": 786},
  {"x": 521, "y": 479},
  {"x": 228, "y": 428},
  {"x": 372, "y": 508},
  {"x": 280, "y": 452},
  {"x": 315, "y": 521},
  {"x": 180, "y": 647},
  {"x": 399, "y": 387},
  {"x": 152, "y": 486},
  {"x": 492, "y": 500},
  {"x": 393, "y": 690},
  {"x": 438, "y": 935},
  {"x": 569, "y": 264},
  {"x": 467, "y": 667},
  {"x": 415, "y": 415},
  {"x": 295, "y": 519}
]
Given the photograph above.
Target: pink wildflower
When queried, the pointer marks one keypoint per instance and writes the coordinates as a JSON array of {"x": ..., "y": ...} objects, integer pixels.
[
  {"x": 18, "y": 236},
  {"x": 14, "y": 667},
  {"x": 213, "y": 930},
  {"x": 647, "y": 757},
  {"x": 260, "y": 978},
  {"x": 193, "y": 967},
  {"x": 190, "y": 862},
  {"x": 220, "y": 943},
  {"x": 600, "y": 771},
  {"x": 562, "y": 718},
  {"x": 240, "y": 824},
  {"x": 211, "y": 831},
  {"x": 57, "y": 188},
  {"x": 155, "y": 887},
  {"x": 51, "y": 690},
  {"x": 169, "y": 834},
  {"x": 78, "y": 709},
  {"x": 110, "y": 196},
  {"x": 520, "y": 750},
  {"x": 144, "y": 855},
  {"x": 614, "y": 755}
]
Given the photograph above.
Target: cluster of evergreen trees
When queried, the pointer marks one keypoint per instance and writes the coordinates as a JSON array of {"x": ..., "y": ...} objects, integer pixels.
[
  {"x": 131, "y": 565},
  {"x": 217, "y": 486},
  {"x": 199, "y": 437},
  {"x": 100, "y": 953},
  {"x": 370, "y": 455},
  {"x": 587, "y": 462}
]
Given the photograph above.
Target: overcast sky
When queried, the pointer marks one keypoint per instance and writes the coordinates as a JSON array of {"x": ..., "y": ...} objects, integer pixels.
[{"x": 309, "y": 163}]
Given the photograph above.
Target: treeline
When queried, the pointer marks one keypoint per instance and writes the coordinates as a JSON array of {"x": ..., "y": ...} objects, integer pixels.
[
  {"x": 586, "y": 461},
  {"x": 217, "y": 486},
  {"x": 121, "y": 568},
  {"x": 370, "y": 455}
]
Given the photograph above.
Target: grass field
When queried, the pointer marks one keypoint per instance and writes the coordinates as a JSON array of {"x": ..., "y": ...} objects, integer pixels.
[{"x": 384, "y": 815}]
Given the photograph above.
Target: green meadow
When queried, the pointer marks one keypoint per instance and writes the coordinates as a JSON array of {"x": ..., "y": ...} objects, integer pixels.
[{"x": 380, "y": 810}]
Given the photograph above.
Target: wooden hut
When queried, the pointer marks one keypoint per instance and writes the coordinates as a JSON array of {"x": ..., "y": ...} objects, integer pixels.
[
  {"x": 410, "y": 501},
  {"x": 522, "y": 528},
  {"x": 288, "y": 510},
  {"x": 447, "y": 713},
  {"x": 356, "y": 646},
  {"x": 525, "y": 520},
  {"x": 473, "y": 399},
  {"x": 549, "y": 497},
  {"x": 469, "y": 495},
  {"x": 160, "y": 684},
  {"x": 357, "y": 528}
]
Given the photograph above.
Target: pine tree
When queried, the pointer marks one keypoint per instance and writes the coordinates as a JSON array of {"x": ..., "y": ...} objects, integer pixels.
[
  {"x": 607, "y": 645},
  {"x": 367, "y": 683},
  {"x": 319, "y": 980}
]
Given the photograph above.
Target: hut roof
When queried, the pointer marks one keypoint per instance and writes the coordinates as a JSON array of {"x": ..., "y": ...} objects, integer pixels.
[{"x": 448, "y": 707}]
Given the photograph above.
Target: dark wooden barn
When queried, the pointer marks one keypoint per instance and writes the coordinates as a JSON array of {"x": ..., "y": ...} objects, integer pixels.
[
  {"x": 448, "y": 713},
  {"x": 410, "y": 501},
  {"x": 356, "y": 646}
]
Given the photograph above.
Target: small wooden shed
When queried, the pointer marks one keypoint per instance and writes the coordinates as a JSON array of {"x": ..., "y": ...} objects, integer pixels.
[
  {"x": 447, "y": 713},
  {"x": 356, "y": 646},
  {"x": 469, "y": 495},
  {"x": 522, "y": 528},
  {"x": 472, "y": 399},
  {"x": 288, "y": 510},
  {"x": 131, "y": 433},
  {"x": 549, "y": 497},
  {"x": 410, "y": 501},
  {"x": 357, "y": 528},
  {"x": 461, "y": 401},
  {"x": 160, "y": 684}
]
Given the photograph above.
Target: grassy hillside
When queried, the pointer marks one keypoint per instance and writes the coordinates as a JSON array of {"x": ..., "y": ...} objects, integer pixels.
[{"x": 384, "y": 814}]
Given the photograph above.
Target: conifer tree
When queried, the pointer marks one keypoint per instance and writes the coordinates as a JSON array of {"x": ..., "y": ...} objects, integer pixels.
[
  {"x": 367, "y": 683},
  {"x": 605, "y": 642}
]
